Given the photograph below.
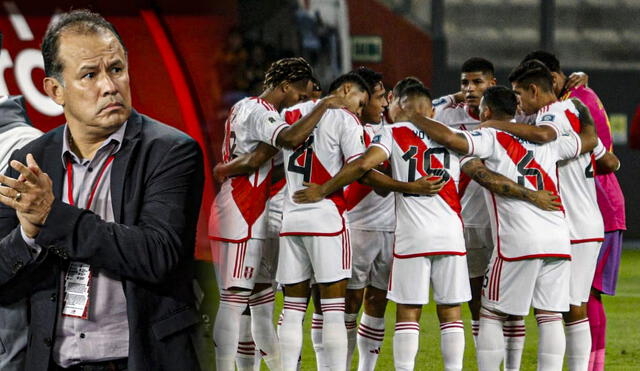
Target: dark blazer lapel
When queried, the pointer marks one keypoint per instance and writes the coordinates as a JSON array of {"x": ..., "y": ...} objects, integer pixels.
[
  {"x": 51, "y": 163},
  {"x": 121, "y": 163}
]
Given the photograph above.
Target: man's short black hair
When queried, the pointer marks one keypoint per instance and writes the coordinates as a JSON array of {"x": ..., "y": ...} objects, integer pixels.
[
  {"x": 532, "y": 72},
  {"x": 350, "y": 77},
  {"x": 501, "y": 100},
  {"x": 548, "y": 59},
  {"x": 371, "y": 77},
  {"x": 405, "y": 83},
  {"x": 82, "y": 22},
  {"x": 416, "y": 91},
  {"x": 477, "y": 64}
]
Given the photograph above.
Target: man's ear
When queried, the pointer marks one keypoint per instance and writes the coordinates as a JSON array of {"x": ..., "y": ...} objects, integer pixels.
[
  {"x": 431, "y": 113},
  {"x": 54, "y": 89},
  {"x": 284, "y": 86},
  {"x": 492, "y": 82},
  {"x": 535, "y": 91}
]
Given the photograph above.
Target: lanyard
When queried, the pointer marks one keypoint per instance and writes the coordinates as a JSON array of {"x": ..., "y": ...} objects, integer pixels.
[{"x": 95, "y": 184}]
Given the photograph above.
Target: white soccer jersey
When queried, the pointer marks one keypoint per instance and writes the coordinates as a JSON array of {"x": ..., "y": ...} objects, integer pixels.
[
  {"x": 238, "y": 212},
  {"x": 475, "y": 212},
  {"x": 577, "y": 182},
  {"x": 336, "y": 140},
  {"x": 425, "y": 225},
  {"x": 521, "y": 230},
  {"x": 366, "y": 210}
]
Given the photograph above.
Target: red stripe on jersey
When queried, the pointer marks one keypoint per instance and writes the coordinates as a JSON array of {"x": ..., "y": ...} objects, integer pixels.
[
  {"x": 516, "y": 152},
  {"x": 292, "y": 116},
  {"x": 406, "y": 138},
  {"x": 573, "y": 119},
  {"x": 250, "y": 199},
  {"x": 320, "y": 175},
  {"x": 463, "y": 183},
  {"x": 277, "y": 187},
  {"x": 597, "y": 239}
]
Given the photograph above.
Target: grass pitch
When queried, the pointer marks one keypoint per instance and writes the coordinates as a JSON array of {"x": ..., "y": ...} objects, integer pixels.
[{"x": 623, "y": 330}]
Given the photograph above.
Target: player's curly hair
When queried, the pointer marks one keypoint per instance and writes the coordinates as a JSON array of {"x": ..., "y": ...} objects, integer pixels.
[{"x": 287, "y": 69}]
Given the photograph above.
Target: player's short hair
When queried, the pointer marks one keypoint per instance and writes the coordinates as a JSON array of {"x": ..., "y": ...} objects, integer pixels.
[
  {"x": 477, "y": 64},
  {"x": 80, "y": 22},
  {"x": 372, "y": 77},
  {"x": 350, "y": 77},
  {"x": 501, "y": 100},
  {"x": 548, "y": 59},
  {"x": 532, "y": 72},
  {"x": 405, "y": 83},
  {"x": 287, "y": 69},
  {"x": 416, "y": 91}
]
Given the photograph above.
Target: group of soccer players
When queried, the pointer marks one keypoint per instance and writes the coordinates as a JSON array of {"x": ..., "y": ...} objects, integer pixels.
[{"x": 487, "y": 196}]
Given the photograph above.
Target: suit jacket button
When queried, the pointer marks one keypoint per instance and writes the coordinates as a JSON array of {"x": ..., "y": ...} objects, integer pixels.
[
  {"x": 48, "y": 342},
  {"x": 53, "y": 297},
  {"x": 17, "y": 266}
]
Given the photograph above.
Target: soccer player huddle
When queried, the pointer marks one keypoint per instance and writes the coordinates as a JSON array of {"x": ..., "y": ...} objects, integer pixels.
[{"x": 486, "y": 196}]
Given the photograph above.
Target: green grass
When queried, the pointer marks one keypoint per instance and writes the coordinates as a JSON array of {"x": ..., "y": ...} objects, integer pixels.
[{"x": 623, "y": 330}]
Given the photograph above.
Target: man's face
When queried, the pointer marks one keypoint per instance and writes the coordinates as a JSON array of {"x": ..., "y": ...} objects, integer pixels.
[
  {"x": 296, "y": 92},
  {"x": 526, "y": 98},
  {"x": 473, "y": 85},
  {"x": 372, "y": 112},
  {"x": 356, "y": 98},
  {"x": 95, "y": 94}
]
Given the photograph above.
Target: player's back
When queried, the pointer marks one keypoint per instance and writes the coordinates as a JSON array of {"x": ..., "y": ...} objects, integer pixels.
[
  {"x": 425, "y": 225},
  {"x": 523, "y": 230},
  {"x": 239, "y": 207},
  {"x": 336, "y": 139},
  {"x": 576, "y": 176}
]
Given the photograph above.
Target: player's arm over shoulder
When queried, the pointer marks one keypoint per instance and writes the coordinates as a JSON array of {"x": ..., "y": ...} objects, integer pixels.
[{"x": 588, "y": 137}]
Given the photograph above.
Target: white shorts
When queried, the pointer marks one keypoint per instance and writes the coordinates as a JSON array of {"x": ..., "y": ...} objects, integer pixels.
[
  {"x": 479, "y": 244},
  {"x": 325, "y": 259},
  {"x": 512, "y": 287},
  {"x": 410, "y": 278},
  {"x": 240, "y": 264},
  {"x": 372, "y": 258},
  {"x": 584, "y": 257}
]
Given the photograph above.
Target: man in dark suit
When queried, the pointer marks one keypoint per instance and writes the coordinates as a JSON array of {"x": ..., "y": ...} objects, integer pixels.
[{"x": 98, "y": 218}]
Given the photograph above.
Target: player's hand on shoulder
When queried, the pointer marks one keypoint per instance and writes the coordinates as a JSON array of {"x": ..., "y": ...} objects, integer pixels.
[
  {"x": 334, "y": 101},
  {"x": 577, "y": 79},
  {"x": 546, "y": 200},
  {"x": 427, "y": 185},
  {"x": 308, "y": 195}
]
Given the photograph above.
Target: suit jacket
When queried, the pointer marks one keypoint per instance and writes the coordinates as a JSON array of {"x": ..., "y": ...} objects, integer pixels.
[{"x": 156, "y": 189}]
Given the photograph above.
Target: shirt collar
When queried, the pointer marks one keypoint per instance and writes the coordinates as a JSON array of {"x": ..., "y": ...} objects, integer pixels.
[{"x": 115, "y": 138}]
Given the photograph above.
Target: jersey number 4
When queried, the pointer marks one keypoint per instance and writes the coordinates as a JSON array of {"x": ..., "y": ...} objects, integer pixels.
[
  {"x": 427, "y": 166},
  {"x": 304, "y": 150},
  {"x": 526, "y": 171}
]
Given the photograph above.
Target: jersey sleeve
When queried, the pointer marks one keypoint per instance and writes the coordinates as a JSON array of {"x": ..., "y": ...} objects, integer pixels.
[
  {"x": 441, "y": 103},
  {"x": 383, "y": 140},
  {"x": 568, "y": 145},
  {"x": 481, "y": 142},
  {"x": 266, "y": 126},
  {"x": 599, "y": 151},
  {"x": 352, "y": 140},
  {"x": 549, "y": 119}
]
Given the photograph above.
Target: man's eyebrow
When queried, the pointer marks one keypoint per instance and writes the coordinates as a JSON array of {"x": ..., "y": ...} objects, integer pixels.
[{"x": 88, "y": 67}]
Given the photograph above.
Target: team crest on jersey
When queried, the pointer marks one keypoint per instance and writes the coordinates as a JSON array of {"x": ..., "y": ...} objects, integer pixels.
[
  {"x": 248, "y": 273},
  {"x": 548, "y": 118},
  {"x": 476, "y": 133},
  {"x": 376, "y": 139}
]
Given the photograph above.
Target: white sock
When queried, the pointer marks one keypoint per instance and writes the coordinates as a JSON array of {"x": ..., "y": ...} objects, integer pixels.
[
  {"x": 405, "y": 345},
  {"x": 551, "y": 342},
  {"x": 291, "y": 331},
  {"x": 514, "y": 335},
  {"x": 490, "y": 348},
  {"x": 280, "y": 318},
  {"x": 352, "y": 332},
  {"x": 578, "y": 344},
  {"x": 475, "y": 327},
  {"x": 226, "y": 329},
  {"x": 322, "y": 364},
  {"x": 334, "y": 333},
  {"x": 452, "y": 345},
  {"x": 264, "y": 334},
  {"x": 370, "y": 337},
  {"x": 245, "y": 355}
]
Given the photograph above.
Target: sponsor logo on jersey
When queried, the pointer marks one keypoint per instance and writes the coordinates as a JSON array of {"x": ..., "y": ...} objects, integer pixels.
[
  {"x": 476, "y": 133},
  {"x": 438, "y": 102},
  {"x": 272, "y": 120},
  {"x": 376, "y": 139},
  {"x": 548, "y": 117}
]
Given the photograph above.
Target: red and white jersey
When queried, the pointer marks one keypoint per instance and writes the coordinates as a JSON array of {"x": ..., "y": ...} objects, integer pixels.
[
  {"x": 336, "y": 140},
  {"x": 366, "y": 210},
  {"x": 276, "y": 198},
  {"x": 521, "y": 230},
  {"x": 475, "y": 212},
  {"x": 238, "y": 212},
  {"x": 577, "y": 182},
  {"x": 425, "y": 225}
]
